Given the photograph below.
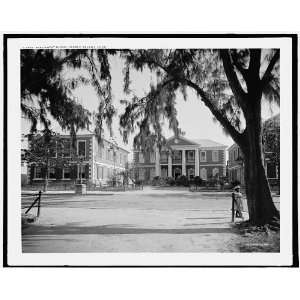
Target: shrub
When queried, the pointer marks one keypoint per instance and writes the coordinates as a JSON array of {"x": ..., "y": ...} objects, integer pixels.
[
  {"x": 170, "y": 181},
  {"x": 197, "y": 181},
  {"x": 212, "y": 182},
  {"x": 156, "y": 180},
  {"x": 139, "y": 182},
  {"x": 182, "y": 181}
]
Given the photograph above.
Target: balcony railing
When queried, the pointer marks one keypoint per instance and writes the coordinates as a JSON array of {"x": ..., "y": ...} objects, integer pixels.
[
  {"x": 176, "y": 160},
  {"x": 164, "y": 160},
  {"x": 190, "y": 160}
]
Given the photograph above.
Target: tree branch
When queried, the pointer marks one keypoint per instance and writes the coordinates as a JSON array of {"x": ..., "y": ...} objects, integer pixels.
[
  {"x": 254, "y": 65},
  {"x": 243, "y": 71},
  {"x": 233, "y": 80},
  {"x": 266, "y": 77},
  {"x": 218, "y": 115}
]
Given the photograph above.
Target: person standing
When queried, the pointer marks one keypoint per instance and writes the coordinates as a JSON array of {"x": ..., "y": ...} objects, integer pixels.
[{"x": 238, "y": 203}]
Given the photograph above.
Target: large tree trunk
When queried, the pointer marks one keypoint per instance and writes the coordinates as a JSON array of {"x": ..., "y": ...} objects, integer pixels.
[{"x": 260, "y": 203}]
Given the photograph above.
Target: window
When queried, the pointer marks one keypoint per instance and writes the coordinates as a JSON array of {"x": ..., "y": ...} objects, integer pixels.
[
  {"x": 202, "y": 156},
  {"x": 38, "y": 173},
  {"x": 81, "y": 148},
  {"x": 191, "y": 173},
  {"x": 66, "y": 173},
  {"x": 236, "y": 154},
  {"x": 177, "y": 155},
  {"x": 191, "y": 155},
  {"x": 141, "y": 157},
  {"x": 141, "y": 174},
  {"x": 152, "y": 157},
  {"x": 51, "y": 173},
  {"x": 203, "y": 174},
  {"x": 177, "y": 172},
  {"x": 98, "y": 172},
  {"x": 66, "y": 148},
  {"x": 152, "y": 173},
  {"x": 215, "y": 155},
  {"x": 271, "y": 170},
  {"x": 81, "y": 172},
  {"x": 164, "y": 156},
  {"x": 215, "y": 172},
  {"x": 53, "y": 149}
]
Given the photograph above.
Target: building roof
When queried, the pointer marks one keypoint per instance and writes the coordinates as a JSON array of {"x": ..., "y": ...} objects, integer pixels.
[
  {"x": 232, "y": 146},
  {"x": 89, "y": 133},
  {"x": 207, "y": 143},
  {"x": 202, "y": 143}
]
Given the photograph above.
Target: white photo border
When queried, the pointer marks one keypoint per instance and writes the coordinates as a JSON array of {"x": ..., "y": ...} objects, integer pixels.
[{"x": 12, "y": 200}]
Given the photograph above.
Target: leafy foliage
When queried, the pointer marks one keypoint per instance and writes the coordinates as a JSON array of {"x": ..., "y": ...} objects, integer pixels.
[
  {"x": 271, "y": 138},
  {"x": 46, "y": 91},
  {"x": 202, "y": 70}
]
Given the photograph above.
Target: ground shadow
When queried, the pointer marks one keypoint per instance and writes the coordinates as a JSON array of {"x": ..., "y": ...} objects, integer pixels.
[{"x": 115, "y": 229}]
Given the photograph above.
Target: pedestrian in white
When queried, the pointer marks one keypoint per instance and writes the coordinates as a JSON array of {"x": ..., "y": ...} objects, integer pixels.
[{"x": 238, "y": 203}]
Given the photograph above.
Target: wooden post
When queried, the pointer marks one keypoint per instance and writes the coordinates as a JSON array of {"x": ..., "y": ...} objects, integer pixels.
[
  {"x": 39, "y": 203},
  {"x": 232, "y": 208}
]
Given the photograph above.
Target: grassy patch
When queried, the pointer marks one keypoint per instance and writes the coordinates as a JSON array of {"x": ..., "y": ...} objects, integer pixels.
[{"x": 258, "y": 239}]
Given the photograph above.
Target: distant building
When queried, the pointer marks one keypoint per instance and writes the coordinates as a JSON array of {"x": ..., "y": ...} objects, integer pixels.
[
  {"x": 182, "y": 156},
  {"x": 98, "y": 163},
  {"x": 235, "y": 162}
]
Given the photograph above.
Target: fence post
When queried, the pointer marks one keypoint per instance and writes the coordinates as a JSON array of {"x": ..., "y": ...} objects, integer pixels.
[
  {"x": 232, "y": 208},
  {"x": 39, "y": 203}
]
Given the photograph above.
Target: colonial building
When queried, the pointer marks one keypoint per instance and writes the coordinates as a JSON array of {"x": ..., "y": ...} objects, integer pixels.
[
  {"x": 235, "y": 162},
  {"x": 236, "y": 166},
  {"x": 182, "y": 156},
  {"x": 91, "y": 162}
]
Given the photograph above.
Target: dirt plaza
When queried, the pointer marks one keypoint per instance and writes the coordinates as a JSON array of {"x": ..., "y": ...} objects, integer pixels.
[{"x": 150, "y": 220}]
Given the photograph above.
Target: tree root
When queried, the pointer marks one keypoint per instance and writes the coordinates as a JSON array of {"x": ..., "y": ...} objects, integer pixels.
[{"x": 248, "y": 227}]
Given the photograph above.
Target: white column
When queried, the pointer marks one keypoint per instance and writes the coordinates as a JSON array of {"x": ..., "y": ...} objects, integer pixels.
[
  {"x": 183, "y": 163},
  {"x": 196, "y": 162},
  {"x": 157, "y": 162},
  {"x": 169, "y": 165}
]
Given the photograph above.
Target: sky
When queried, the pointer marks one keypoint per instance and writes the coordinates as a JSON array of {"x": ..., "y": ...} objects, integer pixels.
[{"x": 194, "y": 118}]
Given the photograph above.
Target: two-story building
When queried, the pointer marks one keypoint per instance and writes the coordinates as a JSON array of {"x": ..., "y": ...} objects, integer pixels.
[
  {"x": 181, "y": 156},
  {"x": 236, "y": 168},
  {"x": 235, "y": 162},
  {"x": 91, "y": 161}
]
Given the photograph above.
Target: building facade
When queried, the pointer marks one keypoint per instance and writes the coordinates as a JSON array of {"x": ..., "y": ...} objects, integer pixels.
[
  {"x": 236, "y": 166},
  {"x": 271, "y": 142},
  {"x": 181, "y": 156},
  {"x": 90, "y": 161}
]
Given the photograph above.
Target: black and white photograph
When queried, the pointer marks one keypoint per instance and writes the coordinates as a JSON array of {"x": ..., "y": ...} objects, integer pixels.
[{"x": 150, "y": 150}]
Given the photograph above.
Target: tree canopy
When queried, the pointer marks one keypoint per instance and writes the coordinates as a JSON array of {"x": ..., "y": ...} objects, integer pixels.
[
  {"x": 220, "y": 78},
  {"x": 47, "y": 91}
]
